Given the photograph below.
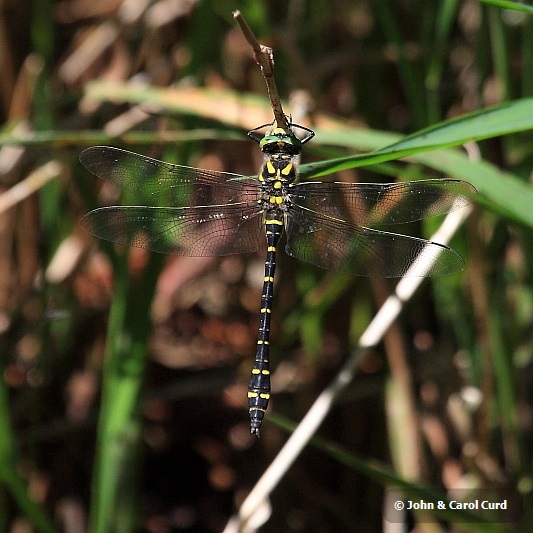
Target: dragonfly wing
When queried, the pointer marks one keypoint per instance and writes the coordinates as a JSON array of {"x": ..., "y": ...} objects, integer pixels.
[
  {"x": 194, "y": 231},
  {"x": 165, "y": 182},
  {"x": 383, "y": 203},
  {"x": 344, "y": 247}
]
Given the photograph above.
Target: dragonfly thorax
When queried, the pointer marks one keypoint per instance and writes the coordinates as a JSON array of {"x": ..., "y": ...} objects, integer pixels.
[
  {"x": 279, "y": 167},
  {"x": 277, "y": 173}
]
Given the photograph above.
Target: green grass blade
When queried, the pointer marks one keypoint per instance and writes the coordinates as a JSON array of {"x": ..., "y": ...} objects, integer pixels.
[
  {"x": 506, "y": 4},
  {"x": 114, "y": 503},
  {"x": 10, "y": 479},
  {"x": 503, "y": 119},
  {"x": 411, "y": 81},
  {"x": 506, "y": 392},
  {"x": 500, "y": 53},
  {"x": 64, "y": 138},
  {"x": 501, "y": 191},
  {"x": 527, "y": 60},
  {"x": 444, "y": 22}
]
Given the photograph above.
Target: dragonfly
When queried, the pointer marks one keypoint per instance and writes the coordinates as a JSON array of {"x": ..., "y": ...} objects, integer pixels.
[{"x": 334, "y": 225}]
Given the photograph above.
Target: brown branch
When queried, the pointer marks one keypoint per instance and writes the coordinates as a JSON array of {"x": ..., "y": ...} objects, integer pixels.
[{"x": 264, "y": 57}]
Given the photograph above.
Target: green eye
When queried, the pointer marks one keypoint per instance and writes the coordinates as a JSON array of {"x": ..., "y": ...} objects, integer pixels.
[{"x": 279, "y": 137}]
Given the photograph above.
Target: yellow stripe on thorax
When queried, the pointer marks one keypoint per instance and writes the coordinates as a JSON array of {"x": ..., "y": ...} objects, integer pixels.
[
  {"x": 270, "y": 168},
  {"x": 287, "y": 169}
]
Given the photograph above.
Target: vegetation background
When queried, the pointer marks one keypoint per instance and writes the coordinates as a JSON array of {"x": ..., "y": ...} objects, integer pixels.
[{"x": 124, "y": 374}]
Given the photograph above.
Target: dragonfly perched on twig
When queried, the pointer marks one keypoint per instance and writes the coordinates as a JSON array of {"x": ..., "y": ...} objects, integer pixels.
[{"x": 210, "y": 213}]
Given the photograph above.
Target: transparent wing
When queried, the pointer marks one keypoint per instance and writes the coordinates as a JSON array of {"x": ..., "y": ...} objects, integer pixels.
[
  {"x": 382, "y": 203},
  {"x": 194, "y": 231},
  {"x": 344, "y": 247},
  {"x": 167, "y": 183}
]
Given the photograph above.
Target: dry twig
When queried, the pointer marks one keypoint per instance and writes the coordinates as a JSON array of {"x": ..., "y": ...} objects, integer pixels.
[{"x": 264, "y": 57}]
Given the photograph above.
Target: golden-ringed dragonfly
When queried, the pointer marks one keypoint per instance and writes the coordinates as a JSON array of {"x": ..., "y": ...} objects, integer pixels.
[{"x": 327, "y": 224}]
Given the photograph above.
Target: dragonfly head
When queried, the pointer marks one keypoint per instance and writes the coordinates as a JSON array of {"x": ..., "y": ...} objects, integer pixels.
[{"x": 280, "y": 140}]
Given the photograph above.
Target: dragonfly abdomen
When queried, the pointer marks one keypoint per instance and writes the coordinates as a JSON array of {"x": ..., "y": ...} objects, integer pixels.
[{"x": 259, "y": 388}]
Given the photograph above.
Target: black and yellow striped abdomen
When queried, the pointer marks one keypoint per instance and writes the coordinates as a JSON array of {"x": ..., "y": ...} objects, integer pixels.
[
  {"x": 276, "y": 174},
  {"x": 259, "y": 389}
]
